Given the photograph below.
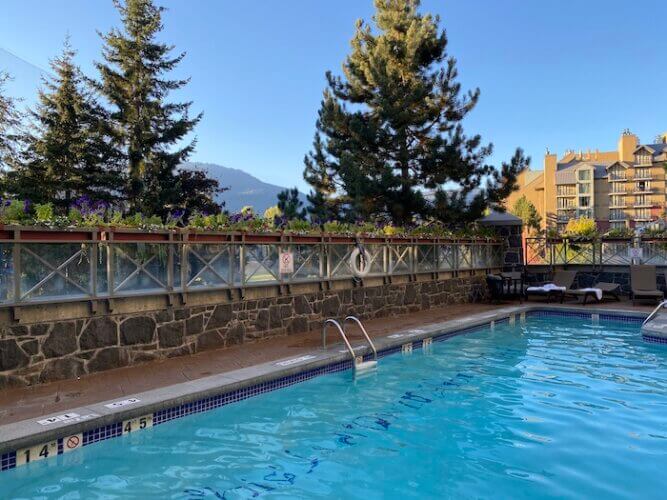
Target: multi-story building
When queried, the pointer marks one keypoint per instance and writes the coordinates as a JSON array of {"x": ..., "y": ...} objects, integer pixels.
[{"x": 623, "y": 188}]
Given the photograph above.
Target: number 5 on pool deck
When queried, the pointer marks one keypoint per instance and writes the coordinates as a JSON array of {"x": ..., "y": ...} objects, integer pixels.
[
  {"x": 35, "y": 453},
  {"x": 137, "y": 424}
]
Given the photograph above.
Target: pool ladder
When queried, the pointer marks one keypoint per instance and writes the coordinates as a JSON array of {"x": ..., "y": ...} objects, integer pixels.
[
  {"x": 655, "y": 311},
  {"x": 359, "y": 363}
]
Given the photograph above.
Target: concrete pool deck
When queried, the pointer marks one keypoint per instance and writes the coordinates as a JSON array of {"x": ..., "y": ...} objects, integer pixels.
[{"x": 160, "y": 384}]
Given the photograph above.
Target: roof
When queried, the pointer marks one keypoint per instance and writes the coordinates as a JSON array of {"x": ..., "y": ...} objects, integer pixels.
[
  {"x": 566, "y": 172},
  {"x": 500, "y": 219}
]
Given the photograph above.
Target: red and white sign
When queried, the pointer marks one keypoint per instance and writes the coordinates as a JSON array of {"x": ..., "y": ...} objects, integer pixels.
[
  {"x": 286, "y": 263},
  {"x": 72, "y": 442}
]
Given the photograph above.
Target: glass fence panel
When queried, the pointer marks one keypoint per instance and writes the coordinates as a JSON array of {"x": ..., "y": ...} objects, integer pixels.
[
  {"x": 465, "y": 256},
  {"x": 480, "y": 257},
  {"x": 54, "y": 270},
  {"x": 400, "y": 259},
  {"x": 307, "y": 261},
  {"x": 446, "y": 257},
  {"x": 340, "y": 260},
  {"x": 208, "y": 265},
  {"x": 496, "y": 256},
  {"x": 615, "y": 253},
  {"x": 260, "y": 264},
  {"x": 139, "y": 267},
  {"x": 100, "y": 264},
  {"x": 426, "y": 258},
  {"x": 537, "y": 252},
  {"x": 580, "y": 253},
  {"x": 6, "y": 272},
  {"x": 654, "y": 253}
]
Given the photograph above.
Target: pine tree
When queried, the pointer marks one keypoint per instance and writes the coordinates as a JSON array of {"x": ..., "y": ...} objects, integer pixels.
[
  {"x": 524, "y": 209},
  {"x": 290, "y": 204},
  {"x": 151, "y": 131},
  {"x": 10, "y": 126},
  {"x": 390, "y": 130},
  {"x": 68, "y": 153}
]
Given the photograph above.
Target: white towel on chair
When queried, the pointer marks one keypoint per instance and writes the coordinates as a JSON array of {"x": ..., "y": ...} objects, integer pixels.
[
  {"x": 596, "y": 291},
  {"x": 549, "y": 287}
]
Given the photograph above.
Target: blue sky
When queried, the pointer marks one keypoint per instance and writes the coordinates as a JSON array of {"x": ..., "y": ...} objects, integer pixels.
[{"x": 553, "y": 73}]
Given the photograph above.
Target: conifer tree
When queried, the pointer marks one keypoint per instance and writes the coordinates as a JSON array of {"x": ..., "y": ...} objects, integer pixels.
[
  {"x": 389, "y": 130},
  {"x": 151, "y": 131},
  {"x": 68, "y": 153},
  {"x": 10, "y": 125},
  {"x": 290, "y": 205}
]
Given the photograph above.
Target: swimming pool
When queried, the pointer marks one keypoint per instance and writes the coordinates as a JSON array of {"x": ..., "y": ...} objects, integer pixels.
[{"x": 556, "y": 407}]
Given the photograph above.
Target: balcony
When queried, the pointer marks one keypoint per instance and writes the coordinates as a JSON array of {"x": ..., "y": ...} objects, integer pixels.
[
  {"x": 618, "y": 218},
  {"x": 617, "y": 206},
  {"x": 617, "y": 178}
]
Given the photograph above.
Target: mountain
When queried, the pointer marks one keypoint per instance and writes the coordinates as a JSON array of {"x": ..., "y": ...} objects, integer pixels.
[{"x": 244, "y": 189}]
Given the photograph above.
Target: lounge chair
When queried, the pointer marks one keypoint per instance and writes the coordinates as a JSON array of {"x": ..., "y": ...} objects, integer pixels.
[
  {"x": 496, "y": 288},
  {"x": 557, "y": 288},
  {"x": 643, "y": 283},
  {"x": 597, "y": 292}
]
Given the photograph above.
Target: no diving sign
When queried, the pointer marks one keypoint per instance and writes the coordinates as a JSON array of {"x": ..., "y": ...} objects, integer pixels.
[
  {"x": 72, "y": 442},
  {"x": 286, "y": 263}
]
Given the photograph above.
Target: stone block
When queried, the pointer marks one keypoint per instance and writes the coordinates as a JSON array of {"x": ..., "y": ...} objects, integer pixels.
[
  {"x": 222, "y": 315},
  {"x": 100, "y": 332},
  {"x": 171, "y": 334},
  {"x": 11, "y": 355},
  {"x": 235, "y": 334},
  {"x": 61, "y": 341},
  {"x": 210, "y": 340},
  {"x": 137, "y": 330},
  {"x": 61, "y": 369},
  {"x": 301, "y": 305},
  {"x": 262, "y": 321},
  {"x": 194, "y": 325}
]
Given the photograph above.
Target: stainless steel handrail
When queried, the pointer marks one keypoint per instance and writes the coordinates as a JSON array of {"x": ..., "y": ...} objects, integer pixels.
[
  {"x": 342, "y": 333},
  {"x": 654, "y": 312},
  {"x": 363, "y": 330}
]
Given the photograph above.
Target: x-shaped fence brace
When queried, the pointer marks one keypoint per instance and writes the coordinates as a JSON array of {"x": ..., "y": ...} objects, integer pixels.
[
  {"x": 139, "y": 267},
  {"x": 208, "y": 264},
  {"x": 261, "y": 261},
  {"x": 402, "y": 255},
  {"x": 56, "y": 270}
]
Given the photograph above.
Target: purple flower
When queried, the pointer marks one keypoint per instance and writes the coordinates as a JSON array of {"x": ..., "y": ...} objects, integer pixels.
[{"x": 26, "y": 205}]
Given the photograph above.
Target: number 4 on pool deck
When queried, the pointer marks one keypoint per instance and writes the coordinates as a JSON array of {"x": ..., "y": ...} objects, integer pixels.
[
  {"x": 35, "y": 453},
  {"x": 137, "y": 424}
]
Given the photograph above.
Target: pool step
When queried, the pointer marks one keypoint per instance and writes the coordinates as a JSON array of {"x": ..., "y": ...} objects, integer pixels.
[{"x": 364, "y": 366}]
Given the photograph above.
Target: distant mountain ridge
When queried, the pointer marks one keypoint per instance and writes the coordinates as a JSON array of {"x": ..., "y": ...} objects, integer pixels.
[{"x": 244, "y": 189}]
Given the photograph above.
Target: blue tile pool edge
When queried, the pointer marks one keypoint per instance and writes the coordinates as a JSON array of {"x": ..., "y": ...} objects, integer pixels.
[{"x": 8, "y": 459}]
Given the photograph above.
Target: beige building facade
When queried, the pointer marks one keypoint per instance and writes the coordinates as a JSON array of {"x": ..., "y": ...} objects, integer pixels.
[{"x": 622, "y": 188}]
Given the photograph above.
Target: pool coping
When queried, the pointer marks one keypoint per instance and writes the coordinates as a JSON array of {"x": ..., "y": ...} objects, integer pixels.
[{"x": 29, "y": 432}]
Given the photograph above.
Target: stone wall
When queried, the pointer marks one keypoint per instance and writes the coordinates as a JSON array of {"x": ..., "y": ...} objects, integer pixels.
[{"x": 42, "y": 351}]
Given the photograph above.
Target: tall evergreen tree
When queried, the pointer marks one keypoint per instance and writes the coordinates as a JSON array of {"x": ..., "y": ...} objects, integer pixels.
[
  {"x": 68, "y": 153},
  {"x": 151, "y": 131},
  {"x": 10, "y": 126},
  {"x": 389, "y": 131},
  {"x": 290, "y": 204}
]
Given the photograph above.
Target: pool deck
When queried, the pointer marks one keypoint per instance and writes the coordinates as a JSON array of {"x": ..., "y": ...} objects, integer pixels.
[{"x": 179, "y": 379}]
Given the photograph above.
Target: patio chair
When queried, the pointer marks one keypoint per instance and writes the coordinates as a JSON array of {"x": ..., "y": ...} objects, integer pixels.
[
  {"x": 561, "y": 283},
  {"x": 643, "y": 283},
  {"x": 597, "y": 292}
]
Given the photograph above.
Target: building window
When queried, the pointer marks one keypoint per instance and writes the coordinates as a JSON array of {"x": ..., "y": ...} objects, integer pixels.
[
  {"x": 643, "y": 173},
  {"x": 584, "y": 188},
  {"x": 585, "y": 201},
  {"x": 641, "y": 199},
  {"x": 565, "y": 190},
  {"x": 642, "y": 186},
  {"x": 584, "y": 175},
  {"x": 643, "y": 159},
  {"x": 617, "y": 201},
  {"x": 617, "y": 225},
  {"x": 643, "y": 213}
]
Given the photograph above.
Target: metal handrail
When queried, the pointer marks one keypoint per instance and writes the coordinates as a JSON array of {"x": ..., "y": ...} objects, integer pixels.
[
  {"x": 342, "y": 333},
  {"x": 654, "y": 312},
  {"x": 363, "y": 330}
]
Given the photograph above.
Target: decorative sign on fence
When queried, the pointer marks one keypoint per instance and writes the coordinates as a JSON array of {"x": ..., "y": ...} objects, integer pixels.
[
  {"x": 286, "y": 263},
  {"x": 636, "y": 253}
]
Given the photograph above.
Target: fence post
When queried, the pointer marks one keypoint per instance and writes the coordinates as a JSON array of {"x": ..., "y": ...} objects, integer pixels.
[{"x": 16, "y": 257}]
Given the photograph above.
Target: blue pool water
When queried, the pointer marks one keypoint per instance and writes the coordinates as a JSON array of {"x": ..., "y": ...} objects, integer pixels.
[{"x": 558, "y": 407}]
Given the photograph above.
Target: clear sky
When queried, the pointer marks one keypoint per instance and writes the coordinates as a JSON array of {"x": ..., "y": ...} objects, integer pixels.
[{"x": 552, "y": 73}]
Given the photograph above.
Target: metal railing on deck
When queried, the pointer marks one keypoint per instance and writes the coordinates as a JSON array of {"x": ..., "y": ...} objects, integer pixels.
[
  {"x": 40, "y": 265},
  {"x": 599, "y": 252}
]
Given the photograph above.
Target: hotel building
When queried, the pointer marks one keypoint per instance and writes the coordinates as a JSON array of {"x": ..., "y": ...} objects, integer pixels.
[{"x": 622, "y": 188}]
